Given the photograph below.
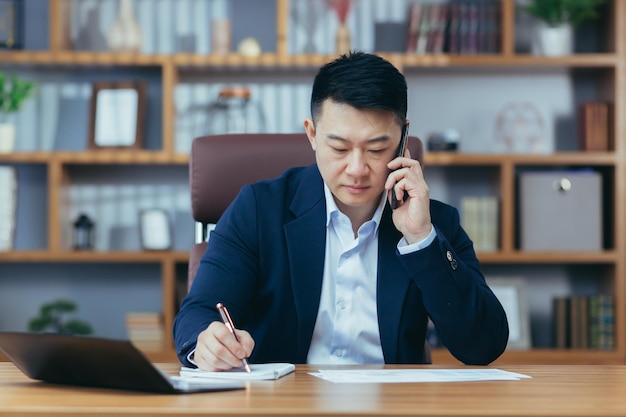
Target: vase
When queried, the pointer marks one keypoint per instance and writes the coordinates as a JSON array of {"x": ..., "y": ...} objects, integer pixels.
[
  {"x": 220, "y": 36},
  {"x": 553, "y": 40},
  {"x": 125, "y": 34},
  {"x": 306, "y": 15},
  {"x": 342, "y": 40},
  {"x": 7, "y": 137},
  {"x": 90, "y": 37}
]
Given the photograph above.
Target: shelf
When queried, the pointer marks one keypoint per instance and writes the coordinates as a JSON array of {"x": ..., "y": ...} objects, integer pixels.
[
  {"x": 125, "y": 156},
  {"x": 80, "y": 58},
  {"x": 497, "y": 60},
  {"x": 607, "y": 257},
  {"x": 562, "y": 158},
  {"x": 108, "y": 156},
  {"x": 73, "y": 58},
  {"x": 91, "y": 256}
]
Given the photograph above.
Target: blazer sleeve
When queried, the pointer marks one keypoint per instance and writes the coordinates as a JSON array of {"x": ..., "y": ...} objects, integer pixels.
[
  {"x": 226, "y": 274},
  {"x": 470, "y": 320}
]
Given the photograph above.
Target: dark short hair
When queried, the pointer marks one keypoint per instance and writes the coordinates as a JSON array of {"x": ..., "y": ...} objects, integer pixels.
[{"x": 363, "y": 81}]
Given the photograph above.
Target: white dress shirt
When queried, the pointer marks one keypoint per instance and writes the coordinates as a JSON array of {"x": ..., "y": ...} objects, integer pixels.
[{"x": 346, "y": 330}]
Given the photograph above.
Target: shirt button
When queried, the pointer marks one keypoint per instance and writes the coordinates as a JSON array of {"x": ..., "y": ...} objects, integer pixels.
[
  {"x": 348, "y": 254},
  {"x": 342, "y": 305},
  {"x": 338, "y": 353}
]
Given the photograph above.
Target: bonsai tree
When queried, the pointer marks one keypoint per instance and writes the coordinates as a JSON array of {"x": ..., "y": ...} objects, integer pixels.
[
  {"x": 50, "y": 318},
  {"x": 559, "y": 12},
  {"x": 13, "y": 92}
]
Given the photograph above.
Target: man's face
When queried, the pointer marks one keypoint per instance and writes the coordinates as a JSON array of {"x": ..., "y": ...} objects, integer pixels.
[{"x": 352, "y": 149}]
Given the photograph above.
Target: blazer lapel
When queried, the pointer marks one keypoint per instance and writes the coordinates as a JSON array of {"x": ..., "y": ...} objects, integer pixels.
[
  {"x": 306, "y": 243},
  {"x": 392, "y": 285}
]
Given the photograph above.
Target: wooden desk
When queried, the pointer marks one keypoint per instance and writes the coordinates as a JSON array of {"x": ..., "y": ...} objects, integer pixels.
[{"x": 577, "y": 390}]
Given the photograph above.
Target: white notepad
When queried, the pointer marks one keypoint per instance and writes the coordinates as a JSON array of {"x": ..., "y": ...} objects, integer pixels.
[{"x": 262, "y": 371}]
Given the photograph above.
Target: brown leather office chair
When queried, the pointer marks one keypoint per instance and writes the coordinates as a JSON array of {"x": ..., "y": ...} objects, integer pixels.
[{"x": 219, "y": 165}]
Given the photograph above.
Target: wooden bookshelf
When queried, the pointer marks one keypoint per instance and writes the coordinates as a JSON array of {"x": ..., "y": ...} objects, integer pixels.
[{"x": 611, "y": 69}]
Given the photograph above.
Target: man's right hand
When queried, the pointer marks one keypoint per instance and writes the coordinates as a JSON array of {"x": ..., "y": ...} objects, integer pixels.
[{"x": 218, "y": 350}]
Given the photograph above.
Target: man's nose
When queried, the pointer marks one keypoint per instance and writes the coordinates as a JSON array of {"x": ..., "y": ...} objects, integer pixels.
[{"x": 357, "y": 164}]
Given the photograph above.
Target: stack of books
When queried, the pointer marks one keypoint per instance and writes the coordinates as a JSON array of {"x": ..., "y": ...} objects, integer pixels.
[
  {"x": 145, "y": 330},
  {"x": 479, "y": 218},
  {"x": 584, "y": 322},
  {"x": 593, "y": 119},
  {"x": 463, "y": 27}
]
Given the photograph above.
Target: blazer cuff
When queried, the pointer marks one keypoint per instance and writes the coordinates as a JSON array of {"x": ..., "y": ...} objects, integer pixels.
[{"x": 404, "y": 248}]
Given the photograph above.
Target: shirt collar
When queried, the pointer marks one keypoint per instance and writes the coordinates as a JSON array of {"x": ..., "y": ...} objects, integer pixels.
[{"x": 331, "y": 206}]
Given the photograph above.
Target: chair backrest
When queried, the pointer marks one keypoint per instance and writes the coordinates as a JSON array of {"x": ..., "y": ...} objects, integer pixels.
[{"x": 219, "y": 165}]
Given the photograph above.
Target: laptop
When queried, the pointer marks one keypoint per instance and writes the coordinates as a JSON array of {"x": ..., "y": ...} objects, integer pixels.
[{"x": 96, "y": 362}]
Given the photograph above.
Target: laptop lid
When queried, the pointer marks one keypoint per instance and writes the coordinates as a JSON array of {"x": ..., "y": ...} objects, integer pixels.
[{"x": 94, "y": 362}]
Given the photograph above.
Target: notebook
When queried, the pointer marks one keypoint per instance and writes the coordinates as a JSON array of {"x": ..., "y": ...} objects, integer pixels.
[
  {"x": 96, "y": 362},
  {"x": 262, "y": 371}
]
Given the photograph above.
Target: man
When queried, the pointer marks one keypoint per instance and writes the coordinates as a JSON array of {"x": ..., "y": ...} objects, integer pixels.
[{"x": 315, "y": 266}]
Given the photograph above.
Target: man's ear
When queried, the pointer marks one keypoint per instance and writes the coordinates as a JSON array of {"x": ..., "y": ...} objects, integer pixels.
[{"x": 309, "y": 128}]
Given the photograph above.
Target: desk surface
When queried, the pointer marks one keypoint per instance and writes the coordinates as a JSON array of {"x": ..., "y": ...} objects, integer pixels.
[{"x": 598, "y": 390}]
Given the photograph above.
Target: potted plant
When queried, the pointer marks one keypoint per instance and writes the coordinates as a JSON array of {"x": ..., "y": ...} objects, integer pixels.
[
  {"x": 554, "y": 34},
  {"x": 13, "y": 92},
  {"x": 50, "y": 318}
]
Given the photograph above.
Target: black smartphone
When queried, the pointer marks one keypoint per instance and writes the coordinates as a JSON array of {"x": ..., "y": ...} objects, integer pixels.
[{"x": 400, "y": 152}]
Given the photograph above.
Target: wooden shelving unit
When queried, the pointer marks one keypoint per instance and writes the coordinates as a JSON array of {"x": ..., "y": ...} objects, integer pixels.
[{"x": 611, "y": 67}]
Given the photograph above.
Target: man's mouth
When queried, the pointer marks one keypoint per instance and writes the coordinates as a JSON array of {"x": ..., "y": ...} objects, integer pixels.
[{"x": 356, "y": 189}]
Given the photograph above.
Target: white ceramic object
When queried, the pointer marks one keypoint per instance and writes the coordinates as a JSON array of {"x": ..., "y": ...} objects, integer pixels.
[
  {"x": 7, "y": 137},
  {"x": 554, "y": 40}
]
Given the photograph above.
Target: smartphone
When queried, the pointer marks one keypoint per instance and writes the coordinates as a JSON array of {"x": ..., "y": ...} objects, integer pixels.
[{"x": 400, "y": 152}]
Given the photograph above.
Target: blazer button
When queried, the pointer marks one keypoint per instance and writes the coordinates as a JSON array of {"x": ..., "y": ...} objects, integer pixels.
[{"x": 453, "y": 263}]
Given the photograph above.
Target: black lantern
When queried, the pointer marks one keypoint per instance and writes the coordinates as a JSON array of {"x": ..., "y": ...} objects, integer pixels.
[{"x": 83, "y": 233}]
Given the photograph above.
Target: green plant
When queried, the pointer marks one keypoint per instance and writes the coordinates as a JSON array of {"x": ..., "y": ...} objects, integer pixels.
[
  {"x": 13, "y": 92},
  {"x": 51, "y": 318},
  {"x": 558, "y": 12}
]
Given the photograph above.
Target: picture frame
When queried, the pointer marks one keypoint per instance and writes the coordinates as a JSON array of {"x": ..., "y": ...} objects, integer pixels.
[
  {"x": 155, "y": 230},
  {"x": 117, "y": 114},
  {"x": 11, "y": 24},
  {"x": 511, "y": 292}
]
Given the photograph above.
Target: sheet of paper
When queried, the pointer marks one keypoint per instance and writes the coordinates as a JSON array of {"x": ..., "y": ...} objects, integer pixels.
[
  {"x": 416, "y": 375},
  {"x": 262, "y": 371}
]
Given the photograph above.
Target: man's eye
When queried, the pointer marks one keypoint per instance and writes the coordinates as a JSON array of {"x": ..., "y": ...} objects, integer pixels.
[
  {"x": 377, "y": 151},
  {"x": 340, "y": 150}
]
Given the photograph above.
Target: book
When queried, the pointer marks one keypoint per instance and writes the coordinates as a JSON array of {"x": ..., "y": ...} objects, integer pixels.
[
  {"x": 593, "y": 119},
  {"x": 602, "y": 322},
  {"x": 414, "y": 23},
  {"x": 561, "y": 322},
  {"x": 454, "y": 26},
  {"x": 439, "y": 29},
  {"x": 423, "y": 30},
  {"x": 261, "y": 371},
  {"x": 479, "y": 219}
]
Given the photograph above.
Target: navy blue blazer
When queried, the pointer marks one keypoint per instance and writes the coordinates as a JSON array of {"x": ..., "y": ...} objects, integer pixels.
[{"x": 265, "y": 262}]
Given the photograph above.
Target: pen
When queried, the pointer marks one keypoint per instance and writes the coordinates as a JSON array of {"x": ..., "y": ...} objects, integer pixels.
[{"x": 229, "y": 323}]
